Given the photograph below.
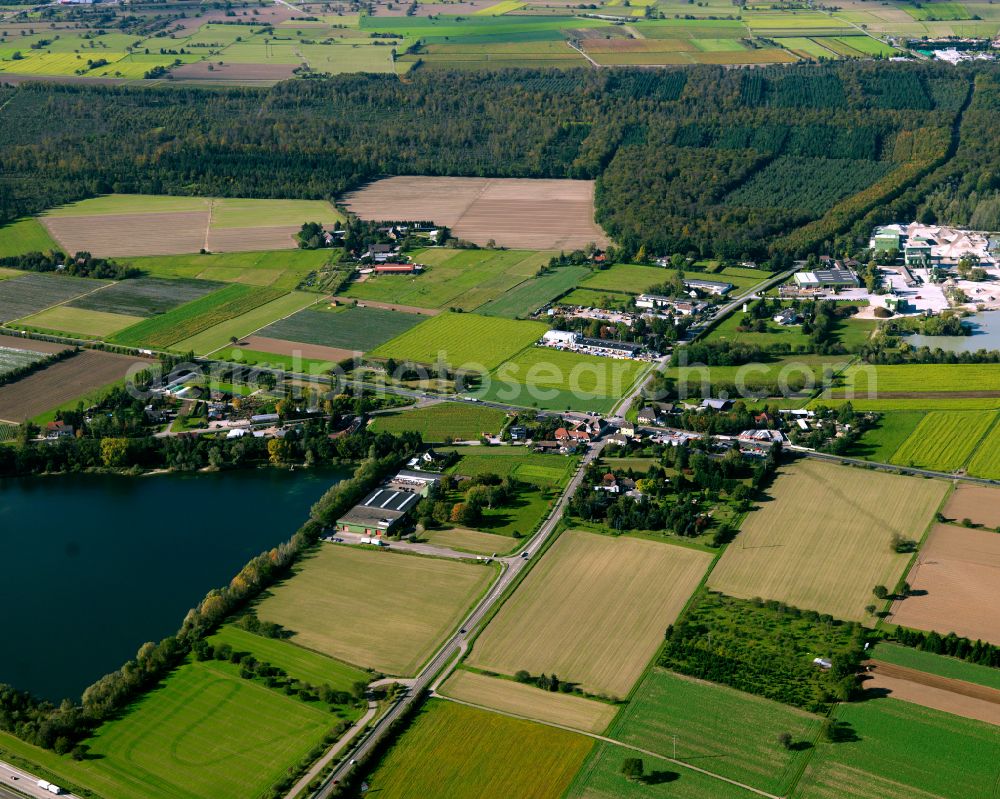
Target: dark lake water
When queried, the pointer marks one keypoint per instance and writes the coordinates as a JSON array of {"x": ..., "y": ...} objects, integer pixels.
[{"x": 93, "y": 566}]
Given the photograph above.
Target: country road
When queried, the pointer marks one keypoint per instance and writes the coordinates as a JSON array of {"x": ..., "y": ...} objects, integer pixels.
[
  {"x": 16, "y": 784},
  {"x": 512, "y": 567}
]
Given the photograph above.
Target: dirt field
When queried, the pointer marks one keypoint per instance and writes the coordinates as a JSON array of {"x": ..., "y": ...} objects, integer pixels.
[
  {"x": 981, "y": 504},
  {"x": 231, "y": 72},
  {"x": 61, "y": 383},
  {"x": 18, "y": 343},
  {"x": 528, "y": 701},
  {"x": 314, "y": 351},
  {"x": 593, "y": 611},
  {"x": 130, "y": 234},
  {"x": 389, "y": 306},
  {"x": 249, "y": 239},
  {"x": 823, "y": 542},
  {"x": 515, "y": 212},
  {"x": 957, "y": 585},
  {"x": 940, "y": 693}
]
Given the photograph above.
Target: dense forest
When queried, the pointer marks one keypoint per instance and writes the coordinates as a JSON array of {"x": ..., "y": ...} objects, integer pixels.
[{"x": 703, "y": 160}]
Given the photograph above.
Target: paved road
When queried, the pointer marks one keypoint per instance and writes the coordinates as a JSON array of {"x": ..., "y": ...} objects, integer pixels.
[
  {"x": 16, "y": 783},
  {"x": 333, "y": 751},
  {"x": 825, "y": 456},
  {"x": 512, "y": 567},
  {"x": 420, "y": 549}
]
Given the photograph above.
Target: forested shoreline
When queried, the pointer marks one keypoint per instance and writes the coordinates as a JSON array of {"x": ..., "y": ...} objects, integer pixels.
[{"x": 702, "y": 160}]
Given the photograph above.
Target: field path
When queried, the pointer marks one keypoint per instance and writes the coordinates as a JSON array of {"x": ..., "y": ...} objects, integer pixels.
[
  {"x": 208, "y": 222},
  {"x": 584, "y": 54}
]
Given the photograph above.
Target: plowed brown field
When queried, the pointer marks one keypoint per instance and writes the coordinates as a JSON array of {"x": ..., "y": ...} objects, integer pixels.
[
  {"x": 956, "y": 581},
  {"x": 981, "y": 504},
  {"x": 940, "y": 693},
  {"x": 514, "y": 212}
]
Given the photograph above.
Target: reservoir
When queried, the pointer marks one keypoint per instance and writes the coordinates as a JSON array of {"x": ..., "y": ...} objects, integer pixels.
[
  {"x": 985, "y": 336},
  {"x": 94, "y": 566}
]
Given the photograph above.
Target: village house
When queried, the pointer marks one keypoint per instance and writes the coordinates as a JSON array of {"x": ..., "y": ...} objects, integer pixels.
[
  {"x": 54, "y": 430},
  {"x": 787, "y": 316}
]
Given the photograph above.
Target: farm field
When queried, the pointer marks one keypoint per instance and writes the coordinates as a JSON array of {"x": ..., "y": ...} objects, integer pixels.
[
  {"x": 446, "y": 420},
  {"x": 145, "y": 296},
  {"x": 795, "y": 375},
  {"x": 301, "y": 359},
  {"x": 466, "y": 753},
  {"x": 474, "y": 541},
  {"x": 911, "y": 381},
  {"x": 220, "y": 335},
  {"x": 892, "y": 429},
  {"x": 545, "y": 471},
  {"x": 195, "y": 317},
  {"x": 525, "y": 299},
  {"x": 62, "y": 382},
  {"x": 204, "y": 733},
  {"x": 541, "y": 371},
  {"x": 33, "y": 292},
  {"x": 463, "y": 341},
  {"x": 829, "y": 562},
  {"x": 353, "y": 328},
  {"x": 629, "y": 278},
  {"x": 940, "y": 665},
  {"x": 944, "y": 440},
  {"x": 30, "y": 344},
  {"x": 601, "y": 778},
  {"x": 514, "y": 212},
  {"x": 11, "y": 359},
  {"x": 711, "y": 722},
  {"x": 957, "y": 756},
  {"x": 302, "y": 664},
  {"x": 980, "y": 504},
  {"x": 957, "y": 579},
  {"x": 986, "y": 460},
  {"x": 528, "y": 701},
  {"x": 593, "y": 611},
  {"x": 589, "y": 298},
  {"x": 462, "y": 279},
  {"x": 328, "y": 605},
  {"x": 105, "y": 226},
  {"x": 257, "y": 268},
  {"x": 24, "y": 236},
  {"x": 78, "y": 321},
  {"x": 957, "y": 697}
]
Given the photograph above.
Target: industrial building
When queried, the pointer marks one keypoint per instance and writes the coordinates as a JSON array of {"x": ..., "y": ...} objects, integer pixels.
[
  {"x": 385, "y": 507},
  {"x": 833, "y": 278}
]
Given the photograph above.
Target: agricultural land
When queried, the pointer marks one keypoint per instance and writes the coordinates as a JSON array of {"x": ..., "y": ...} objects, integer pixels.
[{"x": 827, "y": 563}]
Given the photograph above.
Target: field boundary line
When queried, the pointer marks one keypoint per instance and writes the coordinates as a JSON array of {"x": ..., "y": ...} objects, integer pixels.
[
  {"x": 606, "y": 739},
  {"x": 255, "y": 332},
  {"x": 64, "y": 302}
]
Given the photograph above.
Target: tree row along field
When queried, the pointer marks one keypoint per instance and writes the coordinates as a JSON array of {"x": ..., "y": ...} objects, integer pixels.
[{"x": 694, "y": 138}]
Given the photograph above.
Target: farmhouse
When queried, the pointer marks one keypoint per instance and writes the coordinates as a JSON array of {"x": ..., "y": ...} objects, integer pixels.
[
  {"x": 834, "y": 277},
  {"x": 58, "y": 430},
  {"x": 381, "y": 253},
  {"x": 709, "y": 286},
  {"x": 385, "y": 507},
  {"x": 788, "y": 316}
]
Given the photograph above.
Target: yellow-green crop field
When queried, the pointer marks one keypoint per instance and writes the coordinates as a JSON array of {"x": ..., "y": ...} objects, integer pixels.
[{"x": 944, "y": 440}]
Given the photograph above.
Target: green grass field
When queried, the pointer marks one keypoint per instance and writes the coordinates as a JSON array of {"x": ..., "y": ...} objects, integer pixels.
[
  {"x": 25, "y": 235},
  {"x": 986, "y": 460},
  {"x": 544, "y": 370},
  {"x": 629, "y": 278},
  {"x": 447, "y": 420},
  {"x": 374, "y": 609},
  {"x": 462, "y": 279},
  {"x": 290, "y": 363},
  {"x": 79, "y": 321},
  {"x": 943, "y": 666},
  {"x": 711, "y": 724},
  {"x": 254, "y": 268},
  {"x": 302, "y": 664},
  {"x": 466, "y": 753},
  {"x": 243, "y": 213},
  {"x": 591, "y": 298},
  {"x": 797, "y": 372},
  {"x": 892, "y": 429},
  {"x": 531, "y": 295},
  {"x": 601, "y": 778},
  {"x": 916, "y": 379},
  {"x": 545, "y": 471},
  {"x": 219, "y": 335},
  {"x": 114, "y": 204},
  {"x": 903, "y": 751},
  {"x": 463, "y": 341},
  {"x": 353, "y": 328},
  {"x": 204, "y": 733},
  {"x": 194, "y": 317},
  {"x": 944, "y": 440}
]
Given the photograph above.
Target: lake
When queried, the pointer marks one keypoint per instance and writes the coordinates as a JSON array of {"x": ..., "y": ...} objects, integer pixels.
[
  {"x": 96, "y": 565},
  {"x": 985, "y": 335}
]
